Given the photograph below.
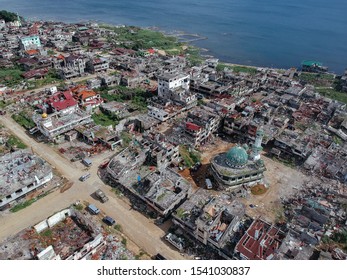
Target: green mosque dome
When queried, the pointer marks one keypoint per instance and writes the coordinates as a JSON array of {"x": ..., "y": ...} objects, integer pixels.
[{"x": 237, "y": 157}]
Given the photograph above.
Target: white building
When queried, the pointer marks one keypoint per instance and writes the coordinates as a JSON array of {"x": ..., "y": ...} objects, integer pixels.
[
  {"x": 175, "y": 87},
  {"x": 30, "y": 42},
  {"x": 20, "y": 173}
]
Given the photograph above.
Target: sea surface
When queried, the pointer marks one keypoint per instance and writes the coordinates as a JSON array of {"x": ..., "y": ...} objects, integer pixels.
[{"x": 273, "y": 33}]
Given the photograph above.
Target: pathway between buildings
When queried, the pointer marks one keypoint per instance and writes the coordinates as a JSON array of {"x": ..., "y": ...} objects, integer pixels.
[{"x": 142, "y": 231}]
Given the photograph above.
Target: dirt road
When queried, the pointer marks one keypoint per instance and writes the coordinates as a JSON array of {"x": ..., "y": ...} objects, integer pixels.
[{"x": 143, "y": 232}]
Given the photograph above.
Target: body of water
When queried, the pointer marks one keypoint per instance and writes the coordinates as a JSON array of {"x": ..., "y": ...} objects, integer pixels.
[{"x": 273, "y": 33}]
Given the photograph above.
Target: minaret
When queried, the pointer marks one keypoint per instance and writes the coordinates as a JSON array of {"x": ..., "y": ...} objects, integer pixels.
[
  {"x": 19, "y": 21},
  {"x": 256, "y": 147}
]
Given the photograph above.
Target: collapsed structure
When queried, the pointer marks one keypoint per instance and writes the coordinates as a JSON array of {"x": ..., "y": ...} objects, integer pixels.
[{"x": 21, "y": 172}]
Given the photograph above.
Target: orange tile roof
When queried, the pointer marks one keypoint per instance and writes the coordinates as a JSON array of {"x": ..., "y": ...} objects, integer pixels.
[
  {"x": 32, "y": 52},
  {"x": 84, "y": 94},
  {"x": 78, "y": 88}
]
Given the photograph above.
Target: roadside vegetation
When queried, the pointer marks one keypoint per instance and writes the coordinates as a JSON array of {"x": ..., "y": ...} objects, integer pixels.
[
  {"x": 27, "y": 203},
  {"x": 15, "y": 142},
  {"x": 24, "y": 120}
]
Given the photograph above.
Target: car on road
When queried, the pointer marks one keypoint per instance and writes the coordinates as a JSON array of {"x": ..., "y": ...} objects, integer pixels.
[
  {"x": 108, "y": 221},
  {"x": 93, "y": 209},
  {"x": 84, "y": 177},
  {"x": 101, "y": 195}
]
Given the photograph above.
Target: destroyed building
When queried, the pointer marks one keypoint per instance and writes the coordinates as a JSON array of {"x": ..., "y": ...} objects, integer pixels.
[
  {"x": 161, "y": 190},
  {"x": 59, "y": 123},
  {"x": 260, "y": 242},
  {"x": 21, "y": 172},
  {"x": 211, "y": 220},
  {"x": 67, "y": 235}
]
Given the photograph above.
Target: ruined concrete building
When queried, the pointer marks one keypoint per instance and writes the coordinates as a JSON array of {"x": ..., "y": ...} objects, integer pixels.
[
  {"x": 21, "y": 172},
  {"x": 260, "y": 242},
  {"x": 212, "y": 220},
  {"x": 59, "y": 123}
]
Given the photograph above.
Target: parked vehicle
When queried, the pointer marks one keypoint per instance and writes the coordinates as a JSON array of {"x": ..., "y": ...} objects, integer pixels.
[
  {"x": 93, "y": 209},
  {"x": 84, "y": 177},
  {"x": 108, "y": 220},
  {"x": 87, "y": 162},
  {"x": 101, "y": 195}
]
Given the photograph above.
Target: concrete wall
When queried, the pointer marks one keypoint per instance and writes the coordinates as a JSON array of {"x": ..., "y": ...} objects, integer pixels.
[
  {"x": 53, "y": 220},
  {"x": 58, "y": 217}
]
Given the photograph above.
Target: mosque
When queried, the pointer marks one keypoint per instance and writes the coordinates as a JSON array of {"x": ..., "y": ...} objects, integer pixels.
[{"x": 240, "y": 166}]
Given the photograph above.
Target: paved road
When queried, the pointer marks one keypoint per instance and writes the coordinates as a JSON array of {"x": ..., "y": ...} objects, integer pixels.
[{"x": 136, "y": 226}]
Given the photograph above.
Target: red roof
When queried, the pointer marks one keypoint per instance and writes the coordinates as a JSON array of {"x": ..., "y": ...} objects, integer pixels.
[
  {"x": 151, "y": 51},
  {"x": 32, "y": 52},
  {"x": 62, "y": 100},
  {"x": 260, "y": 242},
  {"x": 192, "y": 126}
]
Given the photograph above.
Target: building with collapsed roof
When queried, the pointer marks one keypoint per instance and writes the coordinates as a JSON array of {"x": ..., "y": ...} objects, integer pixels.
[
  {"x": 21, "y": 172},
  {"x": 260, "y": 242},
  {"x": 96, "y": 134},
  {"x": 58, "y": 123},
  {"x": 212, "y": 220},
  {"x": 237, "y": 168},
  {"x": 119, "y": 109},
  {"x": 161, "y": 190},
  {"x": 73, "y": 236},
  {"x": 200, "y": 124}
]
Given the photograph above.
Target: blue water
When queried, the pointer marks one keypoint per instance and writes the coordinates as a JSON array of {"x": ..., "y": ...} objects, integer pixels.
[{"x": 278, "y": 33}]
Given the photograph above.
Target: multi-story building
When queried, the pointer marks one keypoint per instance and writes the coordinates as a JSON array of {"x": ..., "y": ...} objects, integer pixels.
[
  {"x": 58, "y": 123},
  {"x": 30, "y": 42},
  {"x": 175, "y": 87},
  {"x": 97, "y": 65},
  {"x": 21, "y": 172}
]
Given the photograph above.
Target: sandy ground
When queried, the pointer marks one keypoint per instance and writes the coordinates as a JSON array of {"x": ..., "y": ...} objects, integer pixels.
[{"x": 282, "y": 181}]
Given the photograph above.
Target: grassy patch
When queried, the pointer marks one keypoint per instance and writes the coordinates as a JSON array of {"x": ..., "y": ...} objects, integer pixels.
[
  {"x": 3, "y": 104},
  {"x": 11, "y": 76},
  {"x": 118, "y": 227},
  {"x": 137, "y": 38},
  {"x": 237, "y": 68},
  {"x": 316, "y": 79},
  {"x": 24, "y": 120},
  {"x": 47, "y": 233},
  {"x": 13, "y": 141},
  {"x": 23, "y": 205},
  {"x": 193, "y": 56},
  {"x": 189, "y": 156},
  {"x": 126, "y": 138},
  {"x": 51, "y": 78},
  {"x": 78, "y": 207},
  {"x": 124, "y": 241},
  {"x": 104, "y": 119},
  {"x": 137, "y": 96},
  {"x": 333, "y": 94}
]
